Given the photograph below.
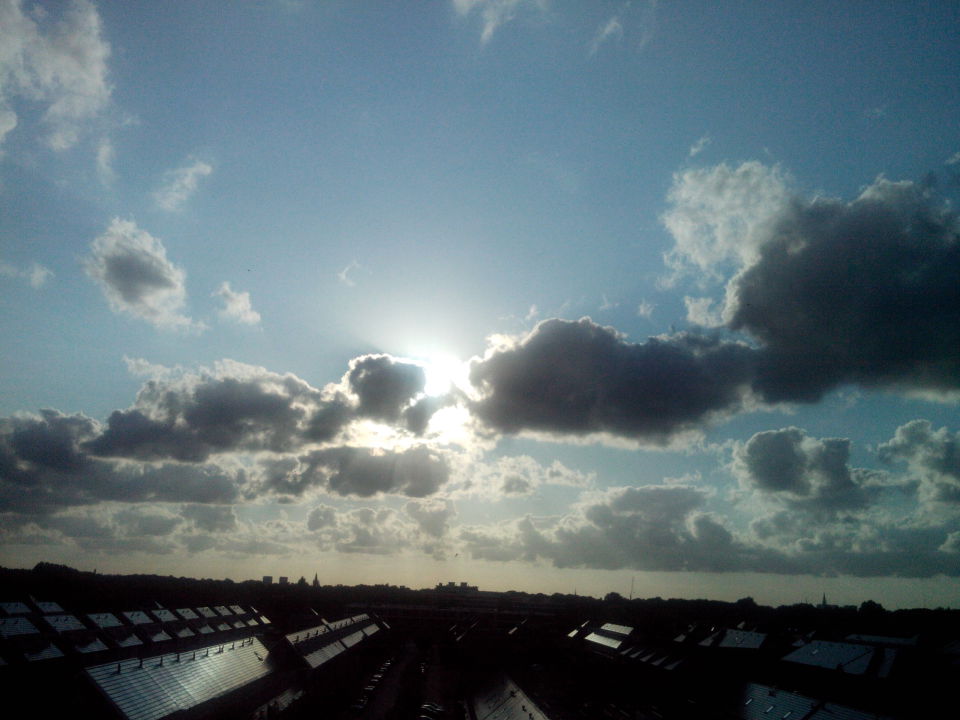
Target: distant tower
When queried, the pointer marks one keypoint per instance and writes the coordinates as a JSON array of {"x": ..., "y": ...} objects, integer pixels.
[
  {"x": 316, "y": 581},
  {"x": 823, "y": 603}
]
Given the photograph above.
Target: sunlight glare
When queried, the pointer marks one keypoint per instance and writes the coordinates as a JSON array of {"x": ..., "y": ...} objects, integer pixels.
[{"x": 444, "y": 372}]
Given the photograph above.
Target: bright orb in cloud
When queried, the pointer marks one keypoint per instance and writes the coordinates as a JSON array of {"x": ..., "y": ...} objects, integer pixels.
[{"x": 443, "y": 373}]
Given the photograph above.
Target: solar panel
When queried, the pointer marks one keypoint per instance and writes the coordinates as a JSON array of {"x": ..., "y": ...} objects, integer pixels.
[
  {"x": 104, "y": 620},
  {"x": 12, "y": 626},
  {"x": 742, "y": 639},
  {"x": 323, "y": 654},
  {"x": 128, "y": 639},
  {"x": 603, "y": 640},
  {"x": 760, "y": 702},
  {"x": 853, "y": 659},
  {"x": 14, "y": 608},
  {"x": 164, "y": 684},
  {"x": 47, "y": 652},
  {"x": 187, "y": 614},
  {"x": 617, "y": 629},
  {"x": 372, "y": 628},
  {"x": 830, "y": 711},
  {"x": 137, "y": 617},
  {"x": 353, "y": 638},
  {"x": 64, "y": 623},
  {"x": 95, "y": 645}
]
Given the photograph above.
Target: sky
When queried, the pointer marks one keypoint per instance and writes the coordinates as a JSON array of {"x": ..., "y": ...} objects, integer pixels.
[{"x": 645, "y": 297}]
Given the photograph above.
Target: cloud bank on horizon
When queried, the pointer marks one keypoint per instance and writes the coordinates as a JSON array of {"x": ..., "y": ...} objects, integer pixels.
[{"x": 786, "y": 302}]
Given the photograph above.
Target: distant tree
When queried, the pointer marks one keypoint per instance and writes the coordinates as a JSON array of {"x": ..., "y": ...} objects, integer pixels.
[
  {"x": 613, "y": 597},
  {"x": 869, "y": 607},
  {"x": 302, "y": 582}
]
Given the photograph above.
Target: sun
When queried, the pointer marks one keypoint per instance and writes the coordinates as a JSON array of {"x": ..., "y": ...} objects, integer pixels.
[{"x": 443, "y": 372}]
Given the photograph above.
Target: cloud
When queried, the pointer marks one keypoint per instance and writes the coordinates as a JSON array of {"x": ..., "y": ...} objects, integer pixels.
[
  {"x": 381, "y": 531},
  {"x": 57, "y": 63},
  {"x": 180, "y": 184},
  {"x": 516, "y": 476},
  {"x": 417, "y": 471},
  {"x": 953, "y": 159},
  {"x": 699, "y": 146},
  {"x": 236, "y": 305},
  {"x": 36, "y": 274},
  {"x": 612, "y": 29},
  {"x": 932, "y": 456},
  {"x": 432, "y": 516},
  {"x": 105, "y": 158},
  {"x": 344, "y": 275},
  {"x": 210, "y": 518},
  {"x": 384, "y": 385},
  {"x": 45, "y": 464},
  {"x": 133, "y": 272},
  {"x": 832, "y": 292},
  {"x": 581, "y": 378},
  {"x": 801, "y": 471},
  {"x": 233, "y": 407},
  {"x": 651, "y": 527},
  {"x": 720, "y": 216},
  {"x": 861, "y": 292},
  {"x": 495, "y": 13},
  {"x": 645, "y": 309}
]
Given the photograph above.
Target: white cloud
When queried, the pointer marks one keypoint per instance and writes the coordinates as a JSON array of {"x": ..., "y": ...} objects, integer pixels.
[
  {"x": 36, "y": 274},
  {"x": 702, "y": 311},
  {"x": 344, "y": 275},
  {"x": 105, "y": 156},
  {"x": 180, "y": 184},
  {"x": 645, "y": 309},
  {"x": 953, "y": 159},
  {"x": 494, "y": 13},
  {"x": 611, "y": 29},
  {"x": 236, "y": 305},
  {"x": 699, "y": 146},
  {"x": 515, "y": 476},
  {"x": 721, "y": 215},
  {"x": 136, "y": 278},
  {"x": 55, "y": 63},
  {"x": 606, "y": 304}
]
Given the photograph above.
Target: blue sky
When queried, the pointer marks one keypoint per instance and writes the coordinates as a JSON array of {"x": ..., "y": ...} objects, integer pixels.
[{"x": 541, "y": 295}]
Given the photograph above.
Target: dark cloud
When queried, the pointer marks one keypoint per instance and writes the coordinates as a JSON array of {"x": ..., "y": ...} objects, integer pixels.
[
  {"x": 863, "y": 292},
  {"x": 415, "y": 472},
  {"x": 829, "y": 292},
  {"x": 43, "y": 467},
  {"x": 432, "y": 516},
  {"x": 210, "y": 518},
  {"x": 654, "y": 527},
  {"x": 321, "y": 516},
  {"x": 240, "y": 408},
  {"x": 385, "y": 386},
  {"x": 805, "y": 472},
  {"x": 581, "y": 378}
]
